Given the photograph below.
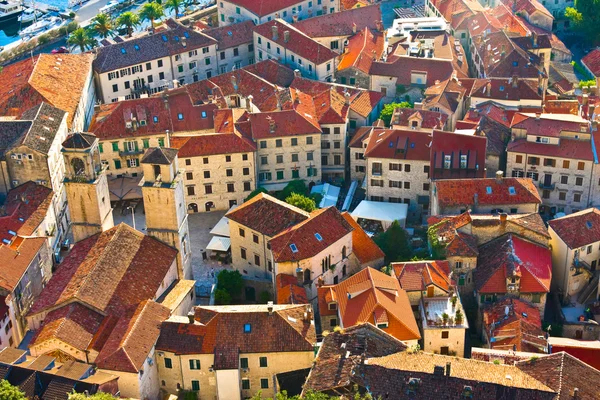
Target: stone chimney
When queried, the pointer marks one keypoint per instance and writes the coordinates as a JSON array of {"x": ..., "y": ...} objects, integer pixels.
[
  {"x": 380, "y": 25},
  {"x": 515, "y": 81},
  {"x": 249, "y": 103},
  {"x": 499, "y": 176},
  {"x": 191, "y": 317},
  {"x": 538, "y": 115},
  {"x": 308, "y": 314},
  {"x": 270, "y": 307},
  {"x": 294, "y": 18},
  {"x": 347, "y": 98},
  {"x": 503, "y": 218},
  {"x": 488, "y": 89},
  {"x": 286, "y": 36},
  {"x": 275, "y": 32},
  {"x": 534, "y": 37},
  {"x": 234, "y": 82},
  {"x": 353, "y": 27},
  {"x": 272, "y": 124},
  {"x": 297, "y": 73},
  {"x": 448, "y": 368}
]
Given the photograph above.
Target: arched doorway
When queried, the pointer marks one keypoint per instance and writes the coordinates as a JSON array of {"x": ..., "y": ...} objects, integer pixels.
[
  {"x": 209, "y": 205},
  {"x": 193, "y": 207}
]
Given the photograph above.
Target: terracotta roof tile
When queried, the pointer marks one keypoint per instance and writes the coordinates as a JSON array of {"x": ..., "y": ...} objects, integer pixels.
[
  {"x": 363, "y": 48},
  {"x": 549, "y": 124},
  {"x": 592, "y": 61},
  {"x": 359, "y": 295},
  {"x": 578, "y": 229},
  {"x": 569, "y": 148},
  {"x": 16, "y": 258},
  {"x": 457, "y": 146},
  {"x": 211, "y": 144},
  {"x": 344, "y": 23},
  {"x": 24, "y": 210},
  {"x": 509, "y": 256},
  {"x": 402, "y": 118},
  {"x": 402, "y": 67},
  {"x": 262, "y": 8},
  {"x": 232, "y": 36},
  {"x": 363, "y": 247},
  {"x": 398, "y": 144},
  {"x": 289, "y": 291},
  {"x": 416, "y": 276}
]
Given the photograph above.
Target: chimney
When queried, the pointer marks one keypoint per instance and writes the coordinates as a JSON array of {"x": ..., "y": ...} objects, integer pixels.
[
  {"x": 286, "y": 36},
  {"x": 503, "y": 49},
  {"x": 249, "y": 103},
  {"x": 537, "y": 116},
  {"x": 271, "y": 124},
  {"x": 308, "y": 314},
  {"x": 294, "y": 18},
  {"x": 475, "y": 200},
  {"x": 575, "y": 393},
  {"x": 379, "y": 25},
  {"x": 488, "y": 89},
  {"x": 499, "y": 176},
  {"x": 234, "y": 82},
  {"x": 503, "y": 217},
  {"x": 515, "y": 81},
  {"x": 270, "y": 307},
  {"x": 275, "y": 32},
  {"x": 448, "y": 368},
  {"x": 353, "y": 27},
  {"x": 535, "y": 39},
  {"x": 297, "y": 73},
  {"x": 191, "y": 317},
  {"x": 347, "y": 98}
]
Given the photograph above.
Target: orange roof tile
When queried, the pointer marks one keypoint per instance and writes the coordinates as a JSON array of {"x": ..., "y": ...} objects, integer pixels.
[
  {"x": 363, "y": 247},
  {"x": 364, "y": 47},
  {"x": 418, "y": 275}
]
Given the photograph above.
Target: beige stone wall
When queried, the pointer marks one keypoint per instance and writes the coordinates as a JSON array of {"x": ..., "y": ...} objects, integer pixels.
[
  {"x": 268, "y": 151},
  {"x": 358, "y": 164},
  {"x": 247, "y": 266},
  {"x": 113, "y": 150},
  {"x": 467, "y": 266},
  {"x": 551, "y": 195},
  {"x": 333, "y": 151},
  {"x": 228, "y": 13},
  {"x": 26, "y": 169},
  {"x": 221, "y": 174},
  {"x": 433, "y": 341},
  {"x": 181, "y": 374},
  {"x": 417, "y": 179},
  {"x": 486, "y": 233}
]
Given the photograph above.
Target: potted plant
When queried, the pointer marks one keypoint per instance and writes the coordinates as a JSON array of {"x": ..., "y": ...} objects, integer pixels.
[
  {"x": 445, "y": 318},
  {"x": 458, "y": 317}
]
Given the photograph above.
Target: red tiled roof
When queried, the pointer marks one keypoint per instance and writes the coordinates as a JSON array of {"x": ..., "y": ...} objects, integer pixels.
[
  {"x": 429, "y": 119},
  {"x": 289, "y": 291},
  {"x": 506, "y": 89},
  {"x": 24, "y": 210},
  {"x": 549, "y": 124},
  {"x": 219, "y": 331},
  {"x": 282, "y": 123},
  {"x": 528, "y": 6},
  {"x": 262, "y": 8},
  {"x": 326, "y": 222},
  {"x": 276, "y": 216},
  {"x": 344, "y": 23},
  {"x": 592, "y": 61},
  {"x": 563, "y": 373},
  {"x": 362, "y": 49},
  {"x": 211, "y": 144},
  {"x": 361, "y": 294},
  {"x": 520, "y": 329},
  {"x": 232, "y": 36},
  {"x": 569, "y": 148},
  {"x": 578, "y": 229},
  {"x": 133, "y": 338},
  {"x": 402, "y": 67},
  {"x": 418, "y": 275},
  {"x": 110, "y": 271},
  {"x": 461, "y": 192},
  {"x": 27, "y": 83},
  {"x": 509, "y": 256},
  {"x": 298, "y": 43},
  {"x": 273, "y": 72},
  {"x": 456, "y": 146},
  {"x": 16, "y": 258},
  {"x": 449, "y": 94},
  {"x": 363, "y": 247},
  {"x": 160, "y": 114},
  {"x": 398, "y": 144}
]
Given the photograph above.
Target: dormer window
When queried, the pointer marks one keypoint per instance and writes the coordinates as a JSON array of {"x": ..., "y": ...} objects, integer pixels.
[
  {"x": 447, "y": 161},
  {"x": 382, "y": 325},
  {"x": 463, "y": 161},
  {"x": 332, "y": 306}
]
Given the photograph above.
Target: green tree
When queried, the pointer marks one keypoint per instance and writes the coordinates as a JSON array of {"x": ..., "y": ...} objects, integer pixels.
[
  {"x": 222, "y": 297},
  {"x": 264, "y": 297},
  {"x": 394, "y": 243},
  {"x": 80, "y": 38},
  {"x": 102, "y": 25},
  {"x": 388, "y": 111},
  {"x": 255, "y": 192},
  {"x": 302, "y": 202},
  {"x": 150, "y": 12},
  {"x": 295, "y": 186},
  {"x": 174, "y": 5},
  {"x": 230, "y": 281},
  {"x": 97, "y": 396},
  {"x": 317, "y": 197},
  {"x": 586, "y": 18},
  {"x": 72, "y": 26},
  {"x": 129, "y": 21},
  {"x": 10, "y": 392}
]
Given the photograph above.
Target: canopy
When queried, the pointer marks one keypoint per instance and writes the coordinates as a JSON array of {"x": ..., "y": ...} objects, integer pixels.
[
  {"x": 329, "y": 192},
  {"x": 381, "y": 211},
  {"x": 219, "y": 243},
  {"x": 222, "y": 227},
  {"x": 125, "y": 188}
]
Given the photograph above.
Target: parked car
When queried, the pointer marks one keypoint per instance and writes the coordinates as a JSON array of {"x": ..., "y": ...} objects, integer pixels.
[{"x": 60, "y": 50}]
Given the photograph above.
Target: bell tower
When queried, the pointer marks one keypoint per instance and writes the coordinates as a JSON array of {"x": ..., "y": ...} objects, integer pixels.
[
  {"x": 86, "y": 186},
  {"x": 164, "y": 204}
]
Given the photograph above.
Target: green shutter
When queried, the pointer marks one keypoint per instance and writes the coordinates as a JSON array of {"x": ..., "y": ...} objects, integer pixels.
[
  {"x": 196, "y": 385},
  {"x": 125, "y": 146},
  {"x": 136, "y": 145},
  {"x": 161, "y": 142},
  {"x": 146, "y": 143},
  {"x": 115, "y": 146},
  {"x": 482, "y": 298},
  {"x": 101, "y": 148},
  {"x": 117, "y": 164}
]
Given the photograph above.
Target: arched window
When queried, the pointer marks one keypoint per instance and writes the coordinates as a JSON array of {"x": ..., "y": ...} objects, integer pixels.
[
  {"x": 307, "y": 276},
  {"x": 78, "y": 166},
  {"x": 344, "y": 252}
]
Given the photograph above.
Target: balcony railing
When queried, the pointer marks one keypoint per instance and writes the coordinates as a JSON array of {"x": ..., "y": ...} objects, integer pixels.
[
  {"x": 549, "y": 186},
  {"x": 134, "y": 152}
]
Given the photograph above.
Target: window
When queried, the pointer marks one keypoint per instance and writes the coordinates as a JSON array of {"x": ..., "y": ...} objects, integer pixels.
[
  {"x": 196, "y": 386},
  {"x": 207, "y": 189},
  {"x": 227, "y": 158},
  {"x": 549, "y": 162},
  {"x": 257, "y": 262},
  {"x": 309, "y": 140},
  {"x": 280, "y": 175},
  {"x": 100, "y": 148},
  {"x": 445, "y": 334},
  {"x": 117, "y": 164},
  {"x": 395, "y": 167},
  {"x": 205, "y": 160},
  {"x": 230, "y": 188},
  {"x": 279, "y": 159},
  {"x": 246, "y": 384},
  {"x": 564, "y": 180},
  {"x": 247, "y": 186},
  {"x": 310, "y": 157},
  {"x": 191, "y": 191},
  {"x": 229, "y": 172},
  {"x": 579, "y": 181},
  {"x": 206, "y": 174},
  {"x": 536, "y": 298},
  {"x": 580, "y": 165},
  {"x": 263, "y": 362},
  {"x": 168, "y": 363},
  {"x": 278, "y": 143},
  {"x": 255, "y": 238},
  {"x": 576, "y": 198},
  {"x": 264, "y": 383},
  {"x": 589, "y": 249},
  {"x": 115, "y": 146},
  {"x": 246, "y": 171},
  {"x": 533, "y": 175},
  {"x": 545, "y": 194},
  {"x": 243, "y": 362},
  {"x": 566, "y": 164},
  {"x": 161, "y": 75},
  {"x": 160, "y": 63},
  {"x": 207, "y": 62},
  {"x": 243, "y": 255},
  {"x": 295, "y": 157},
  {"x": 562, "y": 195},
  {"x": 426, "y": 187},
  {"x": 115, "y": 88},
  {"x": 242, "y": 233},
  {"x": 194, "y": 364},
  {"x": 406, "y": 167},
  {"x": 425, "y": 168},
  {"x": 180, "y": 116},
  {"x": 406, "y": 185},
  {"x": 189, "y": 176},
  {"x": 533, "y": 161},
  {"x": 295, "y": 141}
]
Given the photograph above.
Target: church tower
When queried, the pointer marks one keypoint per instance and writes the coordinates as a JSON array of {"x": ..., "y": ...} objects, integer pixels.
[
  {"x": 164, "y": 204},
  {"x": 86, "y": 186}
]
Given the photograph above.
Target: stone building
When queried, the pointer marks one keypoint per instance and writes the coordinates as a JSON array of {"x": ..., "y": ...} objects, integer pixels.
[
  {"x": 220, "y": 170},
  {"x": 261, "y": 11},
  {"x": 455, "y": 156},
  {"x": 235, "y": 47},
  {"x": 234, "y": 352},
  {"x": 359, "y": 53}
]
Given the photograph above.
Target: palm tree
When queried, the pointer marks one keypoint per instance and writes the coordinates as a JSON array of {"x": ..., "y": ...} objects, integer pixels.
[
  {"x": 103, "y": 25},
  {"x": 174, "y": 5},
  {"x": 128, "y": 20},
  {"x": 150, "y": 12},
  {"x": 81, "y": 38}
]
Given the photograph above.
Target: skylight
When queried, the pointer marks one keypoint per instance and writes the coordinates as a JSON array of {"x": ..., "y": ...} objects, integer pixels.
[
  {"x": 137, "y": 47},
  {"x": 229, "y": 33},
  {"x": 247, "y": 328},
  {"x": 588, "y": 224},
  {"x": 186, "y": 34},
  {"x": 319, "y": 237},
  {"x": 488, "y": 190},
  {"x": 512, "y": 190},
  {"x": 164, "y": 38},
  {"x": 176, "y": 38},
  {"x": 123, "y": 50},
  {"x": 294, "y": 248}
]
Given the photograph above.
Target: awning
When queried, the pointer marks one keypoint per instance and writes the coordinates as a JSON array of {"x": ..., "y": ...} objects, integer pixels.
[
  {"x": 219, "y": 243},
  {"x": 125, "y": 188},
  {"x": 222, "y": 227}
]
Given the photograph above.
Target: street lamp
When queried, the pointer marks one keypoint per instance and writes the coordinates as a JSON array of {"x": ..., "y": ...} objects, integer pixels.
[{"x": 132, "y": 214}]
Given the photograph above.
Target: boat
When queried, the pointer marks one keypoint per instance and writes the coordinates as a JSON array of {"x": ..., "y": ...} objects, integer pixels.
[
  {"x": 29, "y": 15},
  {"x": 39, "y": 26},
  {"x": 109, "y": 7},
  {"x": 10, "y": 10}
]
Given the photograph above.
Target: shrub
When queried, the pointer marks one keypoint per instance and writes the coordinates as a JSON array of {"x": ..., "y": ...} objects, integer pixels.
[
  {"x": 72, "y": 14},
  {"x": 43, "y": 39},
  {"x": 256, "y": 192},
  {"x": 72, "y": 26},
  {"x": 497, "y": 362},
  {"x": 222, "y": 297},
  {"x": 231, "y": 282},
  {"x": 302, "y": 202},
  {"x": 264, "y": 297}
]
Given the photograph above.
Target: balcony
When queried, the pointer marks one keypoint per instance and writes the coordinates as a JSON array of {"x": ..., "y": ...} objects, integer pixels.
[
  {"x": 548, "y": 186},
  {"x": 132, "y": 152}
]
